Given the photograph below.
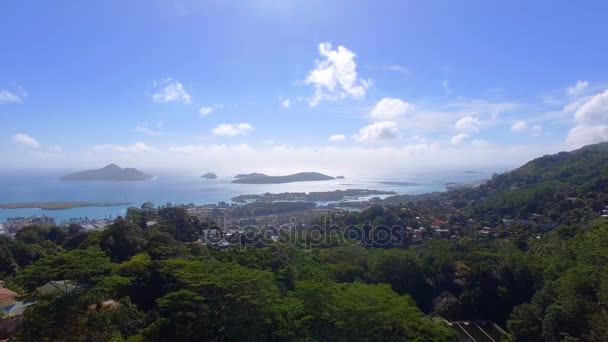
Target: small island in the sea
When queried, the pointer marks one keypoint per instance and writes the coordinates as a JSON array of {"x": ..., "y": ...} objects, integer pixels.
[
  {"x": 340, "y": 177},
  {"x": 260, "y": 178},
  {"x": 319, "y": 196},
  {"x": 209, "y": 175},
  {"x": 111, "y": 172},
  {"x": 61, "y": 205}
]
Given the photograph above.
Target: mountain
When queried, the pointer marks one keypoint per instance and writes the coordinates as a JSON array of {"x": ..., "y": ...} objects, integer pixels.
[
  {"x": 259, "y": 178},
  {"x": 111, "y": 172},
  {"x": 566, "y": 187},
  {"x": 209, "y": 175}
]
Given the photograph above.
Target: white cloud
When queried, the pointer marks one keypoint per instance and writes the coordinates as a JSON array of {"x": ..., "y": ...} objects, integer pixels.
[
  {"x": 25, "y": 140},
  {"x": 204, "y": 111},
  {"x": 137, "y": 147},
  {"x": 446, "y": 86},
  {"x": 170, "y": 90},
  {"x": 384, "y": 130},
  {"x": 9, "y": 97},
  {"x": 522, "y": 126},
  {"x": 459, "y": 138},
  {"x": 468, "y": 124},
  {"x": 285, "y": 103},
  {"x": 389, "y": 108},
  {"x": 582, "y": 135},
  {"x": 232, "y": 129},
  {"x": 590, "y": 117},
  {"x": 268, "y": 142},
  {"x": 577, "y": 88},
  {"x": 519, "y": 126},
  {"x": 397, "y": 68},
  {"x": 337, "y": 137},
  {"x": 594, "y": 110},
  {"x": 335, "y": 76}
]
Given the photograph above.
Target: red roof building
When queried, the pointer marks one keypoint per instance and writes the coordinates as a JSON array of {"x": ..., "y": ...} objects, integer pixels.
[{"x": 7, "y": 297}]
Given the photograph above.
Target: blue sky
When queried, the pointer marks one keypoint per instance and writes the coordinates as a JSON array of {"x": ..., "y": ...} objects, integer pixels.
[{"x": 299, "y": 84}]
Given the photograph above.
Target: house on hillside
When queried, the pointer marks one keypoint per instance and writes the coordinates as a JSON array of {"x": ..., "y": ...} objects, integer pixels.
[
  {"x": 7, "y": 297},
  {"x": 57, "y": 287},
  {"x": 11, "y": 311}
]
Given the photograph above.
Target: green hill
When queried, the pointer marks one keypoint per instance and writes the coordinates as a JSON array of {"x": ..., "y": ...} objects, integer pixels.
[{"x": 564, "y": 188}]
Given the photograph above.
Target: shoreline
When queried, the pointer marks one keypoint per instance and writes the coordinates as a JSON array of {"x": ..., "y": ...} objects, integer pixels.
[{"x": 61, "y": 205}]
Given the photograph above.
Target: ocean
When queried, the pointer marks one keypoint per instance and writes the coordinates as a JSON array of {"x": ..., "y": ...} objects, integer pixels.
[{"x": 183, "y": 188}]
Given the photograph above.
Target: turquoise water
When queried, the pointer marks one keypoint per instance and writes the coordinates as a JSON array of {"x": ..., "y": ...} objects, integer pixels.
[{"x": 45, "y": 186}]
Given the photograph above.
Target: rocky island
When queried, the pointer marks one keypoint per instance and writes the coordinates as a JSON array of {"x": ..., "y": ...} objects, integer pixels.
[
  {"x": 112, "y": 172},
  {"x": 209, "y": 175},
  {"x": 260, "y": 178}
]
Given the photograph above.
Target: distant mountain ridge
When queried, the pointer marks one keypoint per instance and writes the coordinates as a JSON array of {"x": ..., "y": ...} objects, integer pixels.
[
  {"x": 110, "y": 172},
  {"x": 260, "y": 178}
]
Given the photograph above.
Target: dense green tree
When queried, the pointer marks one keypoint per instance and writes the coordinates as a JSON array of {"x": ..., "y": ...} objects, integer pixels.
[{"x": 122, "y": 239}]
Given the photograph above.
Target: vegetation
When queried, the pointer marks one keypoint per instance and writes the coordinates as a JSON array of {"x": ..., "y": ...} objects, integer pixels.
[{"x": 158, "y": 282}]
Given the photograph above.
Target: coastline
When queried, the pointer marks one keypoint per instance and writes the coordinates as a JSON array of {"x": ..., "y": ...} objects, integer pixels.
[{"x": 61, "y": 205}]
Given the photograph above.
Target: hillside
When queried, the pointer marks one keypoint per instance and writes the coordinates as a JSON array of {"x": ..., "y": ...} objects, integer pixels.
[{"x": 565, "y": 187}]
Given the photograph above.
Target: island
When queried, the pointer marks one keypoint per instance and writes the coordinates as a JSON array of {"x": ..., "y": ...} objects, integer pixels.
[
  {"x": 111, "y": 172},
  {"x": 319, "y": 196},
  {"x": 61, "y": 205},
  {"x": 260, "y": 178},
  {"x": 250, "y": 175},
  {"x": 399, "y": 183},
  {"x": 340, "y": 177},
  {"x": 209, "y": 175}
]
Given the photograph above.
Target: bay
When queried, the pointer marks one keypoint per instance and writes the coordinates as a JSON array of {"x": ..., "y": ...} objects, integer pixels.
[{"x": 183, "y": 187}]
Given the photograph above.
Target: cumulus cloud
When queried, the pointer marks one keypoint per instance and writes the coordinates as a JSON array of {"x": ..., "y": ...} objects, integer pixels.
[
  {"x": 582, "y": 135},
  {"x": 138, "y": 147},
  {"x": 459, "y": 138},
  {"x": 169, "y": 90},
  {"x": 232, "y": 129},
  {"x": 25, "y": 140},
  {"x": 590, "y": 117},
  {"x": 383, "y": 130},
  {"x": 335, "y": 76},
  {"x": 388, "y": 108},
  {"x": 337, "y": 137},
  {"x": 9, "y": 97},
  {"x": 204, "y": 111},
  {"x": 468, "y": 124},
  {"x": 577, "y": 88},
  {"x": 594, "y": 110}
]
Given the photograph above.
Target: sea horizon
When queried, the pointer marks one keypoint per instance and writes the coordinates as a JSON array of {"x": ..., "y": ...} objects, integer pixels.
[{"x": 42, "y": 186}]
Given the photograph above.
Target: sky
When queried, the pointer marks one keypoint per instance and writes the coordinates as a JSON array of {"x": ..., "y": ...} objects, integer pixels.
[{"x": 261, "y": 85}]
